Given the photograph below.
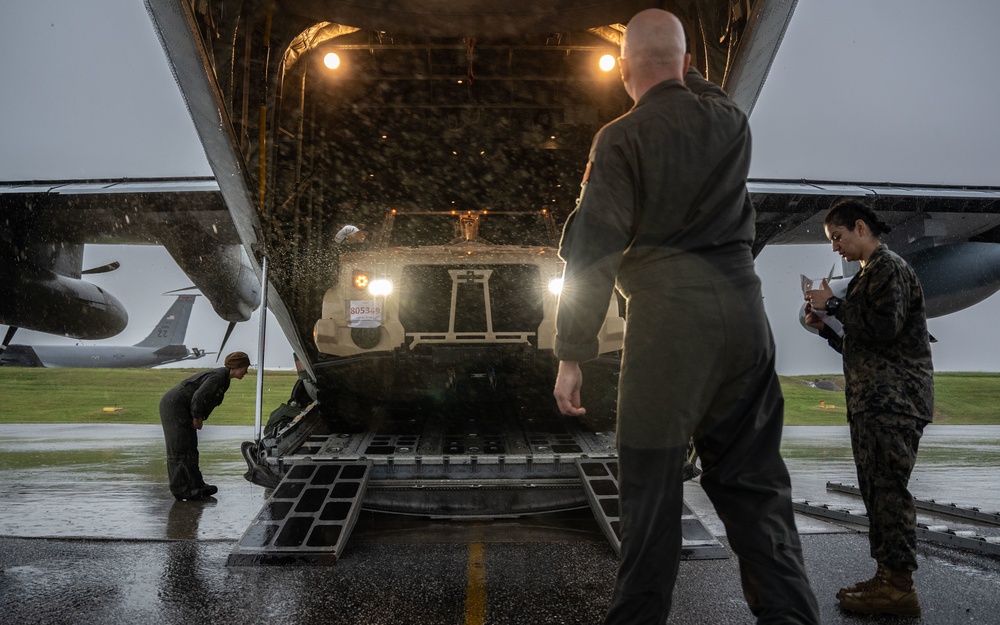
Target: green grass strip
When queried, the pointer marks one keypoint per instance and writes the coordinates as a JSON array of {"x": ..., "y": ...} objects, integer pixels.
[{"x": 37, "y": 395}]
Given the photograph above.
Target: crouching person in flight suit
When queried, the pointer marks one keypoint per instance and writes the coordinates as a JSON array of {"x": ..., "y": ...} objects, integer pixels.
[{"x": 183, "y": 411}]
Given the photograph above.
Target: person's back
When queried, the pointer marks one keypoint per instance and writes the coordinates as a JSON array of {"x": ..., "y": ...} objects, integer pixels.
[
  {"x": 691, "y": 148},
  {"x": 665, "y": 215},
  {"x": 210, "y": 386}
]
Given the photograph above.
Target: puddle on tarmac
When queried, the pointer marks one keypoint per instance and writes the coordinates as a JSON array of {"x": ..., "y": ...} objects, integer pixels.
[{"x": 109, "y": 480}]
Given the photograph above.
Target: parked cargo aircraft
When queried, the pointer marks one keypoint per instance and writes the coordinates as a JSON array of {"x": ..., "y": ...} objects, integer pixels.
[
  {"x": 317, "y": 114},
  {"x": 165, "y": 344}
]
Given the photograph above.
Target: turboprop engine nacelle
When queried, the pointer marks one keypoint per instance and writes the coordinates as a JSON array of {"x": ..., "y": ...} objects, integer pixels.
[
  {"x": 64, "y": 306},
  {"x": 957, "y": 276}
]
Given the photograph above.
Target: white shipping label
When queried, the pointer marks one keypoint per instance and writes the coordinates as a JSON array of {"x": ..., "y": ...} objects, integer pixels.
[{"x": 364, "y": 313}]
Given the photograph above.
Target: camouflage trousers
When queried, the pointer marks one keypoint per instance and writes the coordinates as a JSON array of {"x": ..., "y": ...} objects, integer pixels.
[{"x": 885, "y": 449}]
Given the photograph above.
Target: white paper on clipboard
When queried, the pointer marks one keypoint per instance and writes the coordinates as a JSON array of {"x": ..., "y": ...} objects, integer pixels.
[{"x": 838, "y": 287}]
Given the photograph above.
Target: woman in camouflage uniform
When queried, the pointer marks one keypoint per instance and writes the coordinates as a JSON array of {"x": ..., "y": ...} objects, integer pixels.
[
  {"x": 890, "y": 397},
  {"x": 183, "y": 410}
]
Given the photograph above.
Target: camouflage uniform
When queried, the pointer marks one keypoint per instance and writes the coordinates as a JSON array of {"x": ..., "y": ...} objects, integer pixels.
[
  {"x": 890, "y": 396},
  {"x": 196, "y": 396},
  {"x": 665, "y": 214}
]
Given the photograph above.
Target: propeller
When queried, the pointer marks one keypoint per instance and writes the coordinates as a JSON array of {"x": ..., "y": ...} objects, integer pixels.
[
  {"x": 229, "y": 330},
  {"x": 102, "y": 269},
  {"x": 8, "y": 338}
]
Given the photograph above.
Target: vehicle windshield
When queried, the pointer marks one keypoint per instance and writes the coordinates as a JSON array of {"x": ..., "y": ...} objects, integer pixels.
[{"x": 425, "y": 229}]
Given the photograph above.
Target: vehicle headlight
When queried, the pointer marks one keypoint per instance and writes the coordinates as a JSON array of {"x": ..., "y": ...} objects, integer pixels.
[
  {"x": 380, "y": 287},
  {"x": 555, "y": 286}
]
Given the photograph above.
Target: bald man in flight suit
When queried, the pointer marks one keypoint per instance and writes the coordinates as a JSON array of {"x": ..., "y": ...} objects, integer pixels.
[{"x": 665, "y": 216}]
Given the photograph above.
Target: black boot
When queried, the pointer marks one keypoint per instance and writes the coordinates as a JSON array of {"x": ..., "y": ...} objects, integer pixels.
[{"x": 208, "y": 490}]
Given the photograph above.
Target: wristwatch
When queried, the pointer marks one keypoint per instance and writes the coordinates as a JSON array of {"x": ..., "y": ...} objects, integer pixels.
[{"x": 832, "y": 305}]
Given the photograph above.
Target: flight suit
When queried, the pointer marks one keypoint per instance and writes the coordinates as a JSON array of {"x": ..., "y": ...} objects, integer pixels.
[
  {"x": 665, "y": 216},
  {"x": 889, "y": 389},
  {"x": 195, "y": 397}
]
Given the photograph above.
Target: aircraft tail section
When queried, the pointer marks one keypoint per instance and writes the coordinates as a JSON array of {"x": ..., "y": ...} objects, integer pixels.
[{"x": 173, "y": 326}]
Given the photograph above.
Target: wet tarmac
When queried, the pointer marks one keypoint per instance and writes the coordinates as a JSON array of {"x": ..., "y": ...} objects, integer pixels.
[{"x": 90, "y": 534}]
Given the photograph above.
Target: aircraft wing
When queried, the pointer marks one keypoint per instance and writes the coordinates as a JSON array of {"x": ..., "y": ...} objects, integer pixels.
[
  {"x": 932, "y": 225},
  {"x": 116, "y": 211},
  {"x": 949, "y": 235},
  {"x": 921, "y": 216},
  {"x": 50, "y": 221}
]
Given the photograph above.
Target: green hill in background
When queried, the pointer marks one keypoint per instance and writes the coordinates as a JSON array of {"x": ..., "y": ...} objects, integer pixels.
[
  {"x": 959, "y": 399},
  {"x": 31, "y": 395}
]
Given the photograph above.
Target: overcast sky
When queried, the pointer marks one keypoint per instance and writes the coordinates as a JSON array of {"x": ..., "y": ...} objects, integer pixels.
[{"x": 889, "y": 91}]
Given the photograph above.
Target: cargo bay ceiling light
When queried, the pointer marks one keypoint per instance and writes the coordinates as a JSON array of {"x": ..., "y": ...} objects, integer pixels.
[
  {"x": 331, "y": 60},
  {"x": 607, "y": 63}
]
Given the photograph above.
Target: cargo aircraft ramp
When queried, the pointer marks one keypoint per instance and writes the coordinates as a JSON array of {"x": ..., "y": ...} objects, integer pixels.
[{"x": 504, "y": 460}]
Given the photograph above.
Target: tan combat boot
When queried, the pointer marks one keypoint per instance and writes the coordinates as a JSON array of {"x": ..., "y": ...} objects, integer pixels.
[
  {"x": 865, "y": 585},
  {"x": 893, "y": 594}
]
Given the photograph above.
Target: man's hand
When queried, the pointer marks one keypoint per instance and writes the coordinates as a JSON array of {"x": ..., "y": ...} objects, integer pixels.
[
  {"x": 197, "y": 422},
  {"x": 567, "y": 390}
]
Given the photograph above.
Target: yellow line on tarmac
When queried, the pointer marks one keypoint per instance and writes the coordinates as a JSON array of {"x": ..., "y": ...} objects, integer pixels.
[{"x": 475, "y": 586}]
